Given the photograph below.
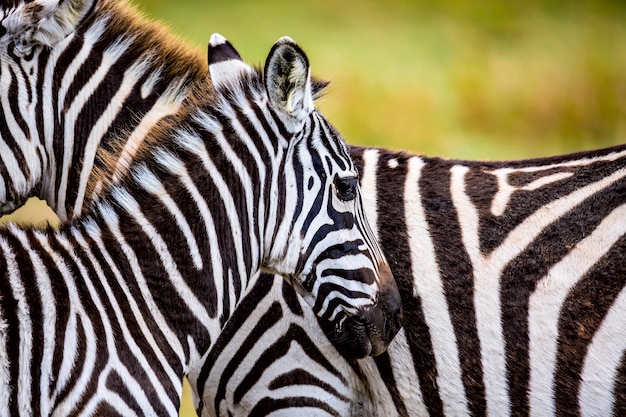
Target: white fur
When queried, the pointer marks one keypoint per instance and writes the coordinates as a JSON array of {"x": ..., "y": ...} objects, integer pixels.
[
  {"x": 506, "y": 190},
  {"x": 545, "y": 308},
  {"x": 125, "y": 200},
  {"x": 368, "y": 188},
  {"x": 602, "y": 362},
  {"x": 154, "y": 186},
  {"x": 429, "y": 287}
]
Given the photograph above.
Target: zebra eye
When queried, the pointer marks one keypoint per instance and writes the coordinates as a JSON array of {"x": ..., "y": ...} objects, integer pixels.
[{"x": 346, "y": 188}]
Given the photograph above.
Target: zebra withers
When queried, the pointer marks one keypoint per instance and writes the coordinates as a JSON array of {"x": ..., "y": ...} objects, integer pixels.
[{"x": 129, "y": 298}]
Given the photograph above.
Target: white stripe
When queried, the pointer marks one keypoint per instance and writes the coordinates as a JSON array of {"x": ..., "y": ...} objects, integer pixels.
[
  {"x": 368, "y": 188},
  {"x": 87, "y": 365},
  {"x": 545, "y": 307},
  {"x": 602, "y": 362},
  {"x": 196, "y": 146},
  {"x": 488, "y": 269},
  {"x": 182, "y": 289},
  {"x": 14, "y": 170},
  {"x": 405, "y": 375},
  {"x": 131, "y": 258},
  {"x": 153, "y": 185},
  {"x": 232, "y": 156},
  {"x": 24, "y": 378},
  {"x": 57, "y": 197},
  {"x": 486, "y": 299},
  {"x": 131, "y": 77},
  {"x": 70, "y": 342},
  {"x": 110, "y": 56},
  {"x": 173, "y": 341},
  {"x": 169, "y": 103},
  {"x": 506, "y": 190},
  {"x": 127, "y": 334},
  {"x": 93, "y": 301},
  {"x": 429, "y": 287},
  {"x": 46, "y": 297}
]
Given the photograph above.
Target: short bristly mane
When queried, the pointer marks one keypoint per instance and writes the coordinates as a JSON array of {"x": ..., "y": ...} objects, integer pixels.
[{"x": 169, "y": 58}]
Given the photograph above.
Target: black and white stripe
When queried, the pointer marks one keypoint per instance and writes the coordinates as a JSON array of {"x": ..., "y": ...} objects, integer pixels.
[
  {"x": 74, "y": 75},
  {"x": 513, "y": 288},
  {"x": 419, "y": 225},
  {"x": 108, "y": 314}
]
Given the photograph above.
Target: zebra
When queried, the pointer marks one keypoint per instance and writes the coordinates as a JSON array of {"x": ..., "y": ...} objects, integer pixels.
[
  {"x": 435, "y": 364},
  {"x": 512, "y": 280},
  {"x": 75, "y": 75},
  {"x": 106, "y": 315}
]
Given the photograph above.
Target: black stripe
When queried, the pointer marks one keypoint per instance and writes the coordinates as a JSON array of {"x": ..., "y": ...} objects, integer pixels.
[
  {"x": 392, "y": 233},
  {"x": 9, "y": 309},
  {"x": 165, "y": 294},
  {"x": 295, "y": 334},
  {"x": 245, "y": 309},
  {"x": 222, "y": 52},
  {"x": 121, "y": 344},
  {"x": 383, "y": 364},
  {"x": 581, "y": 315},
  {"x": 34, "y": 299},
  {"x": 269, "y": 319},
  {"x": 116, "y": 253},
  {"x": 457, "y": 276},
  {"x": 115, "y": 383},
  {"x": 270, "y": 405},
  {"x": 290, "y": 296},
  {"x": 303, "y": 377},
  {"x": 518, "y": 281}
]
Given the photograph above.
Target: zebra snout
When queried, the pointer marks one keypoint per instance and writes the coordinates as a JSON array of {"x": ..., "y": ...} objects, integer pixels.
[
  {"x": 370, "y": 331},
  {"x": 384, "y": 320},
  {"x": 389, "y": 314}
]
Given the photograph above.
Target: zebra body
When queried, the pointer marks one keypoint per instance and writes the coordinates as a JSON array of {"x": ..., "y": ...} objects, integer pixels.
[
  {"x": 106, "y": 315},
  {"x": 513, "y": 289}
]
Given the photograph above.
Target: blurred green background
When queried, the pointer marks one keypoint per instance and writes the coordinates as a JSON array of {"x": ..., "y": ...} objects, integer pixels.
[{"x": 462, "y": 79}]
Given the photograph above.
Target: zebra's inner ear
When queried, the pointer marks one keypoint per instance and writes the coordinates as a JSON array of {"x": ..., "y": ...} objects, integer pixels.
[
  {"x": 225, "y": 63},
  {"x": 288, "y": 79}
]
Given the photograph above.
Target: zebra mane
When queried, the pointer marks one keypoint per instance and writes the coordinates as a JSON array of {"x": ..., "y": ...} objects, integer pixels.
[
  {"x": 152, "y": 39},
  {"x": 202, "y": 100},
  {"x": 168, "y": 59}
]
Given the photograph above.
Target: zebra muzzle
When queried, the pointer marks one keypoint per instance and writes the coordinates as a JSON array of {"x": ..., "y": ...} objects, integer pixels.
[{"x": 370, "y": 331}]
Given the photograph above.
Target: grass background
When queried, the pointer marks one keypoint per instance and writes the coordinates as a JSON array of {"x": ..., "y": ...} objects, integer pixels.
[{"x": 454, "y": 78}]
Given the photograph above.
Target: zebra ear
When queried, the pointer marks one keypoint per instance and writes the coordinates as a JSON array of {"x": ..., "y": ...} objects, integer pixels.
[
  {"x": 225, "y": 63},
  {"x": 288, "y": 79},
  {"x": 45, "y": 22}
]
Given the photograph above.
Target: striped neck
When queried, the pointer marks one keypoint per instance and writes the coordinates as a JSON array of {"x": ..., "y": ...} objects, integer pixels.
[
  {"x": 198, "y": 165},
  {"x": 105, "y": 85}
]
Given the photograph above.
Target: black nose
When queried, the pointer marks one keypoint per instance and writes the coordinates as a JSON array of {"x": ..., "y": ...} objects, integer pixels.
[
  {"x": 390, "y": 303},
  {"x": 370, "y": 331}
]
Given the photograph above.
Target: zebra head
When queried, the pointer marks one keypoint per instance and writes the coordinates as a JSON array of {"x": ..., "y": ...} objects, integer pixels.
[
  {"x": 27, "y": 28},
  {"x": 316, "y": 234}
]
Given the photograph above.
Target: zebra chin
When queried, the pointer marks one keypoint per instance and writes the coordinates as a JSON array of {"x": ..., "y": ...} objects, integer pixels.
[{"x": 370, "y": 331}]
